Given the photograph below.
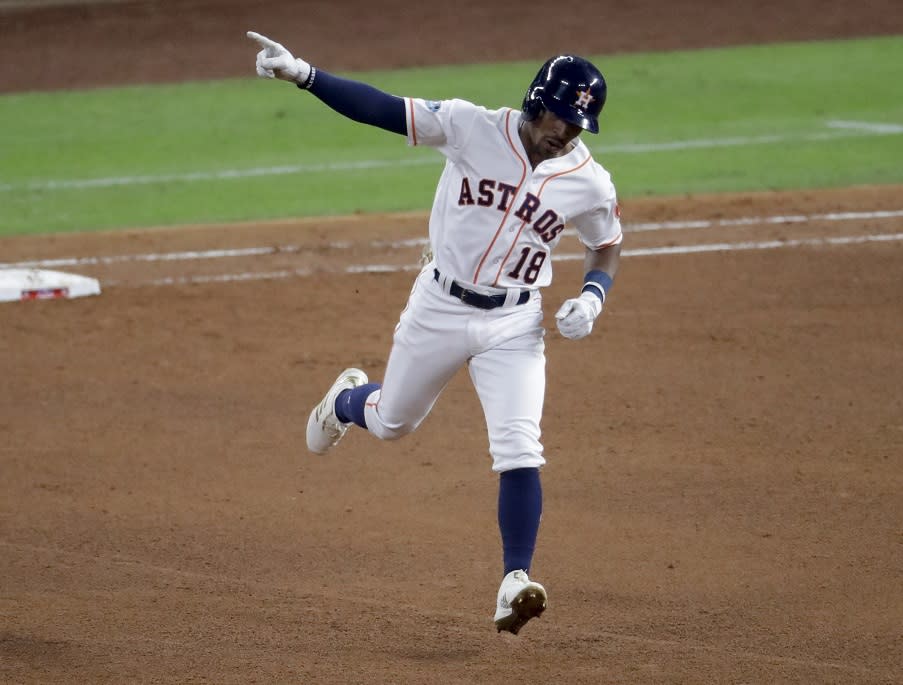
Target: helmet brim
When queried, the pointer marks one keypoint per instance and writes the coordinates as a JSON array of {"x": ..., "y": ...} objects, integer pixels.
[{"x": 572, "y": 115}]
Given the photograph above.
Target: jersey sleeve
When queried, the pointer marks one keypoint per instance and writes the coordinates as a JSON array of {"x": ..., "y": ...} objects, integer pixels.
[
  {"x": 441, "y": 124},
  {"x": 601, "y": 225}
]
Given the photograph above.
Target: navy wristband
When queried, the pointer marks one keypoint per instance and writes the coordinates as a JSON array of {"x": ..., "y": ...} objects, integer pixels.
[
  {"x": 309, "y": 81},
  {"x": 598, "y": 283}
]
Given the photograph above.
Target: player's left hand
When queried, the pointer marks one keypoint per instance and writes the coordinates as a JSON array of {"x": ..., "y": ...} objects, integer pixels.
[
  {"x": 576, "y": 316},
  {"x": 275, "y": 61}
]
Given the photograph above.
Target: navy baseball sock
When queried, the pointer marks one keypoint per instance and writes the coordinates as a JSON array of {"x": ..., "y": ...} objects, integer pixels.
[
  {"x": 349, "y": 405},
  {"x": 520, "y": 508}
]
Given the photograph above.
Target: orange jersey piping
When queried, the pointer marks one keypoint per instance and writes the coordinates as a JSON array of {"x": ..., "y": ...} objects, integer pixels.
[
  {"x": 524, "y": 223},
  {"x": 476, "y": 274},
  {"x": 413, "y": 128}
]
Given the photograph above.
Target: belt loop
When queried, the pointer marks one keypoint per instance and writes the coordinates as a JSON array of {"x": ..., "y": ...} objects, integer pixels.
[
  {"x": 512, "y": 295},
  {"x": 443, "y": 281}
]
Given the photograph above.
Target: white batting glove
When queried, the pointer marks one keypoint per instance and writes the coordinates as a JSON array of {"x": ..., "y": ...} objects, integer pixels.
[
  {"x": 274, "y": 61},
  {"x": 576, "y": 317}
]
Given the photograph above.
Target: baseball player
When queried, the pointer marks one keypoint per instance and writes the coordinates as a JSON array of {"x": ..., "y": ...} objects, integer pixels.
[{"x": 512, "y": 181}]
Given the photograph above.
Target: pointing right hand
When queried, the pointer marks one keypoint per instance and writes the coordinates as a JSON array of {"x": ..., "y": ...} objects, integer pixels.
[{"x": 275, "y": 61}]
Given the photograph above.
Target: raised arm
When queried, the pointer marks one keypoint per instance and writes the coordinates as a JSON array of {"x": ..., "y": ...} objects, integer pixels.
[{"x": 358, "y": 101}]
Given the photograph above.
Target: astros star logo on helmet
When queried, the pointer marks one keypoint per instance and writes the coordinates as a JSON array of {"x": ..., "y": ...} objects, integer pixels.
[{"x": 583, "y": 98}]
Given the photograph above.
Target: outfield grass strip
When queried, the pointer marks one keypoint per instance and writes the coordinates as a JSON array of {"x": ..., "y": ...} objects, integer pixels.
[{"x": 839, "y": 129}]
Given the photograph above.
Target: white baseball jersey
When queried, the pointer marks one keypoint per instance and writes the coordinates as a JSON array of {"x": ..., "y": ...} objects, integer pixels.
[
  {"x": 494, "y": 223},
  {"x": 495, "y": 220}
]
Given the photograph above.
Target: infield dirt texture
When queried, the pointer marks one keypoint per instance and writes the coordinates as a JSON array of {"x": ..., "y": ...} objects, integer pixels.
[{"x": 723, "y": 494}]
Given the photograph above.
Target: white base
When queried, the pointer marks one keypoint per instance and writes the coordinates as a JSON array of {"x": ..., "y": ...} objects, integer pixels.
[{"x": 40, "y": 284}]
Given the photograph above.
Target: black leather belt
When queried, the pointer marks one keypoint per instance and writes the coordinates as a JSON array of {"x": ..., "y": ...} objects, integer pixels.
[{"x": 479, "y": 300}]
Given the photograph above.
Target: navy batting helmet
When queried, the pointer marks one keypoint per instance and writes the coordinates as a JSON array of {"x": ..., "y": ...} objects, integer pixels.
[{"x": 571, "y": 88}]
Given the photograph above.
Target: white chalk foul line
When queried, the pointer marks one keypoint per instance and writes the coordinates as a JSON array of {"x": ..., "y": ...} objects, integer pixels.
[
  {"x": 225, "y": 174},
  {"x": 754, "y": 245},
  {"x": 282, "y": 274},
  {"x": 837, "y": 129},
  {"x": 867, "y": 126},
  {"x": 567, "y": 257},
  {"x": 193, "y": 255},
  {"x": 763, "y": 220}
]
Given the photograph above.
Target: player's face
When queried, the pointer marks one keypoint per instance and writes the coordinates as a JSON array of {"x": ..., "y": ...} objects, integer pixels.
[{"x": 550, "y": 136}]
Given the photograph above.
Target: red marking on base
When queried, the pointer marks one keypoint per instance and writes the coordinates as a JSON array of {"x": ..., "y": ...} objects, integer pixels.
[{"x": 45, "y": 293}]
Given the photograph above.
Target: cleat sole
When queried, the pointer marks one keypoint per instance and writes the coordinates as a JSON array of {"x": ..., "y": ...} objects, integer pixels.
[{"x": 529, "y": 603}]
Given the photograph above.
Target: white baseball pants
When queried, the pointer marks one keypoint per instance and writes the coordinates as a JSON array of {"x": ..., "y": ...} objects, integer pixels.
[{"x": 504, "y": 351}]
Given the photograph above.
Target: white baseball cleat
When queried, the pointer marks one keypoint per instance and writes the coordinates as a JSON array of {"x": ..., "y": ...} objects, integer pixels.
[
  {"x": 324, "y": 430},
  {"x": 519, "y": 600}
]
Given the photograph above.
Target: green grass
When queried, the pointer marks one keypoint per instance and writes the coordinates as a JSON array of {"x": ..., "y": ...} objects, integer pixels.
[{"x": 788, "y": 91}]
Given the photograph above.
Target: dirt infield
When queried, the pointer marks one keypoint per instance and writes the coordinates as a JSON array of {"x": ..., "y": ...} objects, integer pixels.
[{"x": 723, "y": 495}]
